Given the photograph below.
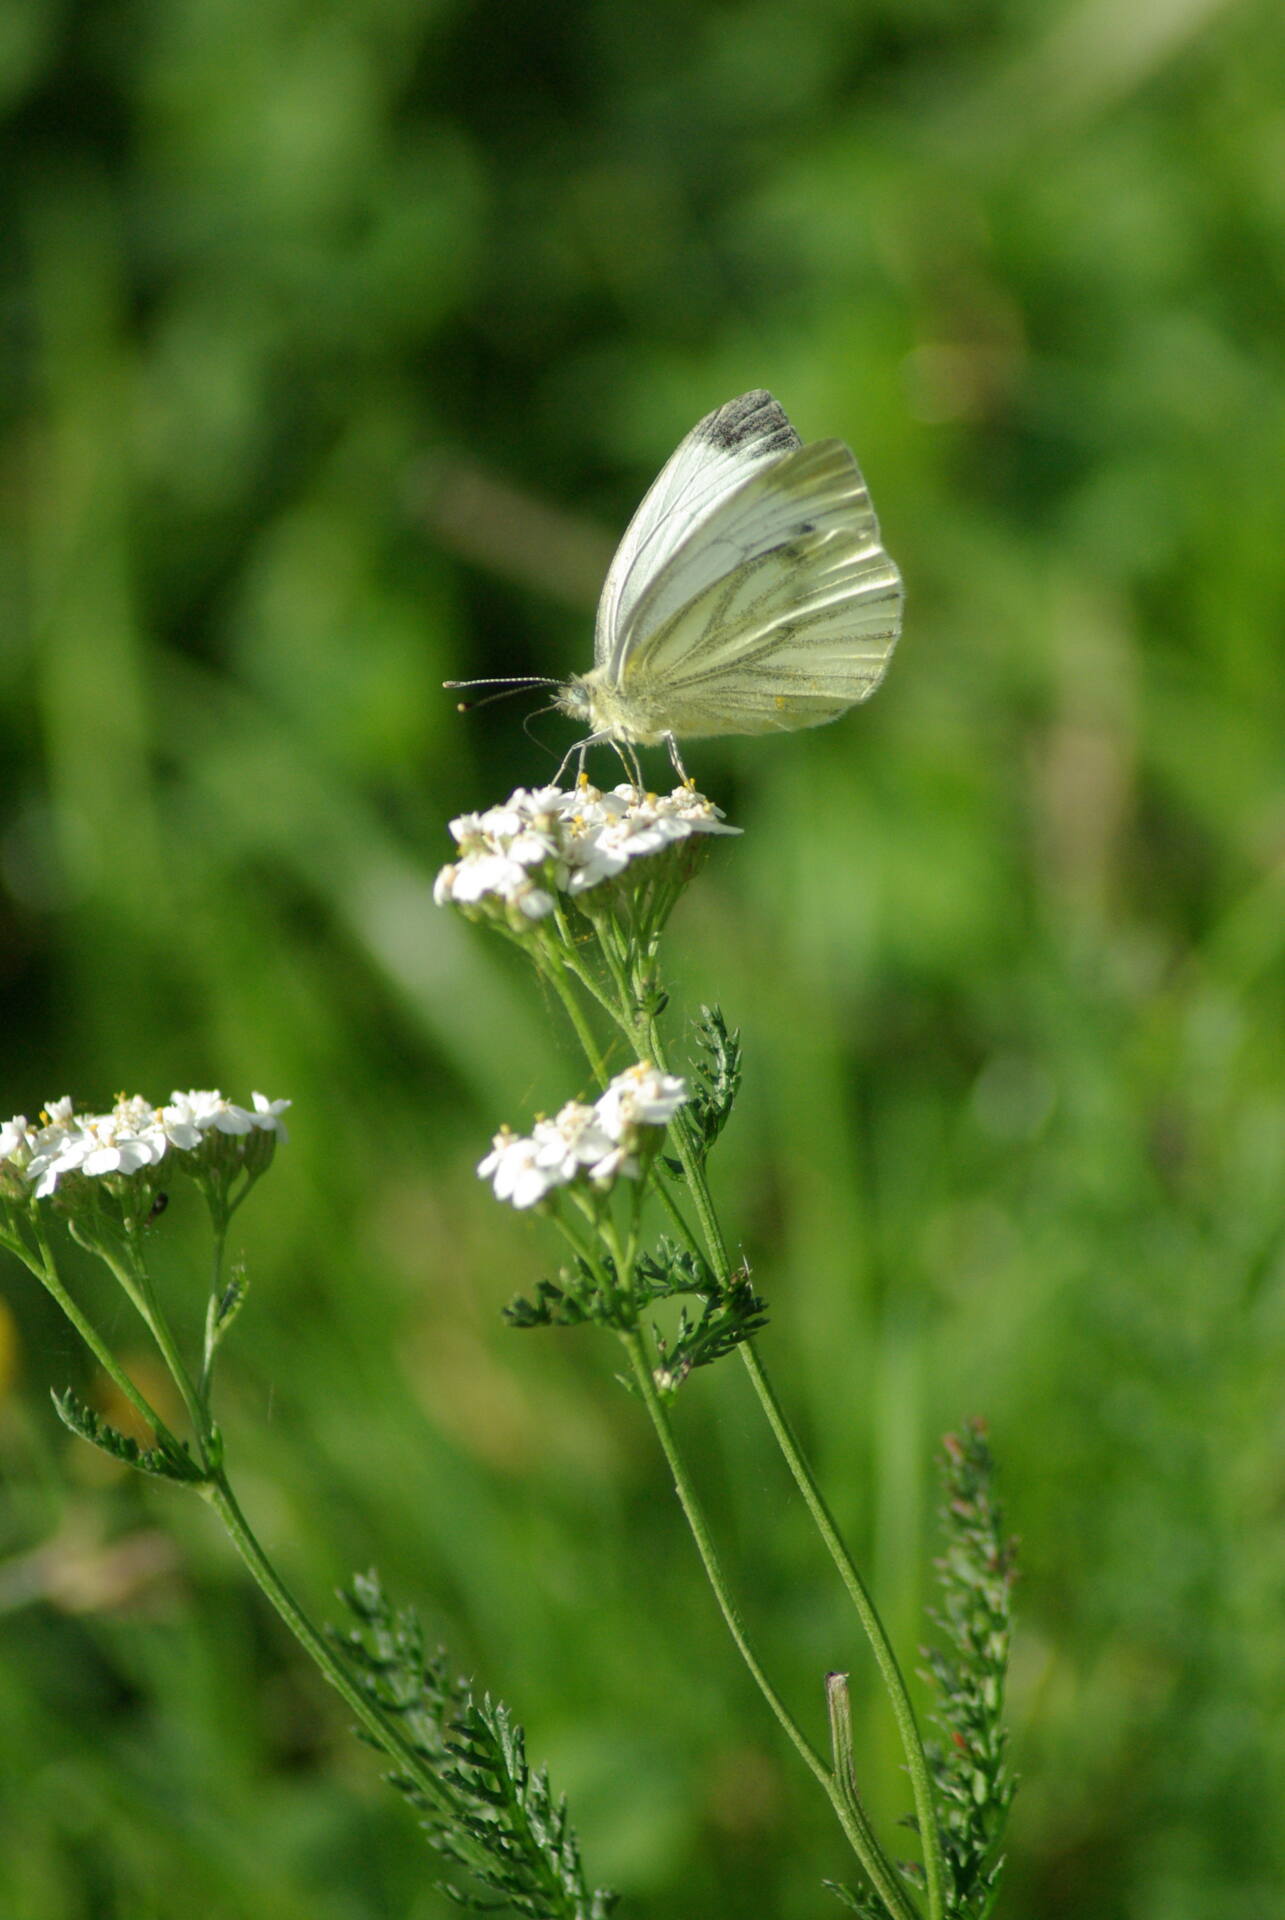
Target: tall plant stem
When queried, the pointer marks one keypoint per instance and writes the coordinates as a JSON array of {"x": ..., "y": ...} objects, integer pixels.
[
  {"x": 805, "y": 1480},
  {"x": 387, "y": 1735},
  {"x": 880, "y": 1645},
  {"x": 861, "y": 1838},
  {"x": 643, "y": 1032}
]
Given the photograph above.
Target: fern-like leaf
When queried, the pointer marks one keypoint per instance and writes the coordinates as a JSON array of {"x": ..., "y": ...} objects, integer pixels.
[
  {"x": 730, "y": 1311},
  {"x": 576, "y": 1297},
  {"x": 867, "y": 1904},
  {"x": 231, "y": 1300},
  {"x": 164, "y": 1463},
  {"x": 716, "y": 1078},
  {"x": 725, "y": 1321},
  {"x": 494, "y": 1817},
  {"x": 976, "y": 1575}
]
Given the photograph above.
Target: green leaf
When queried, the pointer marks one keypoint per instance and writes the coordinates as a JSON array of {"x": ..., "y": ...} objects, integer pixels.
[
  {"x": 576, "y": 1297},
  {"x": 231, "y": 1300},
  {"x": 730, "y": 1313},
  {"x": 673, "y": 1270},
  {"x": 724, "y": 1323},
  {"x": 976, "y": 1574},
  {"x": 165, "y": 1463},
  {"x": 498, "y": 1818},
  {"x": 716, "y": 1077},
  {"x": 868, "y": 1905}
]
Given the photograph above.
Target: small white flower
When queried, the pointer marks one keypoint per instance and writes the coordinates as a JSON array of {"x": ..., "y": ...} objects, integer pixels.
[
  {"x": 641, "y": 1096},
  {"x": 179, "y": 1120},
  {"x": 600, "y": 1142},
  {"x": 55, "y": 1157},
  {"x": 596, "y": 858},
  {"x": 513, "y": 1168},
  {"x": 533, "y": 902},
  {"x": 572, "y": 1141},
  {"x": 110, "y": 1152},
  {"x": 58, "y": 1146},
  {"x": 484, "y": 873},
  {"x": 122, "y": 1141},
  {"x": 132, "y": 1136},
  {"x": 468, "y": 831},
  {"x": 571, "y": 841},
  {"x": 616, "y": 1164},
  {"x": 209, "y": 1110},
  {"x": 532, "y": 847},
  {"x": 267, "y": 1115}
]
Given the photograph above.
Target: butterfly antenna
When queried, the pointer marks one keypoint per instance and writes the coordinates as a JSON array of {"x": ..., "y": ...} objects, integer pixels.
[{"x": 507, "y": 685}]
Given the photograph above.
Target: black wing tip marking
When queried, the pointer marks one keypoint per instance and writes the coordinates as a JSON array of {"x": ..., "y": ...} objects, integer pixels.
[{"x": 753, "y": 416}]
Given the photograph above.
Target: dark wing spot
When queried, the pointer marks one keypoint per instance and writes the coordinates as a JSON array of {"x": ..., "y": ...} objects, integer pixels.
[{"x": 754, "y": 421}]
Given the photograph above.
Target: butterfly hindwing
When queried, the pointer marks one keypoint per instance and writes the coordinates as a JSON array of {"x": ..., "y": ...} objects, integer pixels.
[{"x": 780, "y": 612}]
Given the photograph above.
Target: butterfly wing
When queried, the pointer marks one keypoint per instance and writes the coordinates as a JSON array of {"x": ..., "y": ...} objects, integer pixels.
[
  {"x": 714, "y": 461},
  {"x": 778, "y": 608}
]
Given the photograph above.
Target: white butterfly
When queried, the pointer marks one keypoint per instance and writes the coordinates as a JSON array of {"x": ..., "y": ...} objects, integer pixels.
[{"x": 750, "y": 593}]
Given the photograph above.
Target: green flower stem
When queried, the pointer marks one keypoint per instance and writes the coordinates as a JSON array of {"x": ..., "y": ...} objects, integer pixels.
[
  {"x": 588, "y": 1254},
  {"x": 249, "y": 1181},
  {"x": 885, "y": 1658},
  {"x": 197, "y": 1411},
  {"x": 666, "y": 1196},
  {"x": 614, "y": 951},
  {"x": 556, "y": 974},
  {"x": 856, "y": 1828},
  {"x": 643, "y": 1032},
  {"x": 604, "y": 999},
  {"x": 122, "y": 1274},
  {"x": 46, "y": 1271},
  {"x": 385, "y": 1732}
]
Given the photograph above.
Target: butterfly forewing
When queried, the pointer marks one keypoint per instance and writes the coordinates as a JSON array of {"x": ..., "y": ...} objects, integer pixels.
[{"x": 712, "y": 463}]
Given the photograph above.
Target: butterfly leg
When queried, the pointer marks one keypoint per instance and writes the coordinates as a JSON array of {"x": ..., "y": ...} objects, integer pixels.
[
  {"x": 578, "y": 751},
  {"x": 568, "y": 757},
  {"x": 629, "y": 760},
  {"x": 677, "y": 759}
]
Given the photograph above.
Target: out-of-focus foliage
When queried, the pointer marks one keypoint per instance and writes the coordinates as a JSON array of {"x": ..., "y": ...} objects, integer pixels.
[{"x": 340, "y": 341}]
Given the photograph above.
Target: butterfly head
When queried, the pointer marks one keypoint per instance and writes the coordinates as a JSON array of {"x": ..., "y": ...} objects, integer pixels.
[
  {"x": 575, "y": 697},
  {"x": 610, "y": 711}
]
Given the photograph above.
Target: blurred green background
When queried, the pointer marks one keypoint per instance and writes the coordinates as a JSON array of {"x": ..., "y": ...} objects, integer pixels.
[{"x": 340, "y": 343}]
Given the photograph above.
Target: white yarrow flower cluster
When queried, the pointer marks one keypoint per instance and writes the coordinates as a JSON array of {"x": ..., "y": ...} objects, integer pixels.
[
  {"x": 545, "y": 841},
  {"x": 131, "y": 1136},
  {"x": 600, "y": 1142}
]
